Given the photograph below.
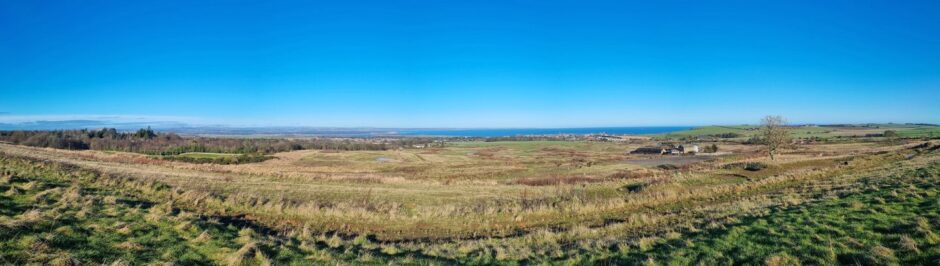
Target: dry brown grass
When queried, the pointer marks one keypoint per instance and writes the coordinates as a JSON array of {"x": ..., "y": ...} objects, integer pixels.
[
  {"x": 457, "y": 193},
  {"x": 555, "y": 180},
  {"x": 782, "y": 260},
  {"x": 249, "y": 254}
]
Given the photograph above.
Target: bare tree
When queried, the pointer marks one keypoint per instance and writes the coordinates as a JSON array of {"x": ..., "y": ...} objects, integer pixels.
[{"x": 774, "y": 133}]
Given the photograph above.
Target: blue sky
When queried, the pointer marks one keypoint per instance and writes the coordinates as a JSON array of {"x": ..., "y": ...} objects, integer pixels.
[{"x": 470, "y": 63}]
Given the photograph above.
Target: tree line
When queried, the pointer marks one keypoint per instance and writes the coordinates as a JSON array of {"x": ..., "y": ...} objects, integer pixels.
[{"x": 147, "y": 141}]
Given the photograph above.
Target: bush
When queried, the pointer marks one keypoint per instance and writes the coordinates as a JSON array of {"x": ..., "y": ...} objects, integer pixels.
[
  {"x": 729, "y": 135},
  {"x": 753, "y": 166},
  {"x": 754, "y": 141},
  {"x": 750, "y": 166},
  {"x": 890, "y": 134},
  {"x": 710, "y": 149},
  {"x": 667, "y": 166},
  {"x": 634, "y": 188}
]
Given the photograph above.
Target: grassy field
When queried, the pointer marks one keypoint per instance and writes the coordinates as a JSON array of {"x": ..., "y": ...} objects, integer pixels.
[
  {"x": 53, "y": 217},
  {"x": 467, "y": 203},
  {"x": 885, "y": 221},
  {"x": 713, "y": 130},
  {"x": 824, "y": 132},
  {"x": 58, "y": 215}
]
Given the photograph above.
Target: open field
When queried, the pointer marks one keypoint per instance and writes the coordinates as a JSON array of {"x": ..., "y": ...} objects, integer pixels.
[
  {"x": 467, "y": 202},
  {"x": 521, "y": 133},
  {"x": 886, "y": 221},
  {"x": 824, "y": 132}
]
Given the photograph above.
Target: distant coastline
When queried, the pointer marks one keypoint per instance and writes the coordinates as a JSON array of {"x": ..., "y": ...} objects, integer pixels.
[
  {"x": 504, "y": 132},
  {"x": 419, "y": 132},
  {"x": 222, "y": 130}
]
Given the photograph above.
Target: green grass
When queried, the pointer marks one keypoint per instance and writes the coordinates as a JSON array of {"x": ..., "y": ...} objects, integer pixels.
[
  {"x": 208, "y": 155},
  {"x": 54, "y": 216},
  {"x": 712, "y": 130},
  {"x": 49, "y": 220},
  {"x": 710, "y": 214},
  {"x": 919, "y": 132},
  {"x": 825, "y": 132},
  {"x": 891, "y": 221},
  {"x": 526, "y": 146}
]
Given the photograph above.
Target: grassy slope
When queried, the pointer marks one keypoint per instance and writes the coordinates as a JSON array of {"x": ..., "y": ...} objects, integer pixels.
[
  {"x": 926, "y": 131},
  {"x": 577, "y": 235},
  {"x": 712, "y": 130},
  {"x": 892, "y": 220},
  {"x": 47, "y": 219},
  {"x": 911, "y": 131},
  {"x": 53, "y": 216}
]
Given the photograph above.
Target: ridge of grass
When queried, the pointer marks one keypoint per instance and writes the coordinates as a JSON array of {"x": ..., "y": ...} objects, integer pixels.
[
  {"x": 892, "y": 221},
  {"x": 54, "y": 216}
]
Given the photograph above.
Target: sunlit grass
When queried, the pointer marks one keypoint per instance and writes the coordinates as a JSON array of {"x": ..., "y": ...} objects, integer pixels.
[
  {"x": 369, "y": 218},
  {"x": 892, "y": 220}
]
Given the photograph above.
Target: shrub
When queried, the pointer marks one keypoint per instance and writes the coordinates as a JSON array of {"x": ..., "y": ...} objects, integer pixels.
[
  {"x": 890, "y": 134},
  {"x": 710, "y": 149},
  {"x": 754, "y": 166},
  {"x": 636, "y": 187},
  {"x": 750, "y": 166},
  {"x": 728, "y": 135},
  {"x": 754, "y": 141},
  {"x": 667, "y": 166}
]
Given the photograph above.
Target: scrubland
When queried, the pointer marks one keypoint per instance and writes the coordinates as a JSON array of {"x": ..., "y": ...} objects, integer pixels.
[{"x": 527, "y": 202}]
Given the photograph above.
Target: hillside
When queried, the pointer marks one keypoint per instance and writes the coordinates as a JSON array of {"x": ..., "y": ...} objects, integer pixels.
[
  {"x": 474, "y": 203},
  {"x": 821, "y": 132}
]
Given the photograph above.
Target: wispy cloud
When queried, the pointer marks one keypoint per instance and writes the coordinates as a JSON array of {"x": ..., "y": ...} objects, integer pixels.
[
  {"x": 8, "y": 121},
  {"x": 11, "y": 118}
]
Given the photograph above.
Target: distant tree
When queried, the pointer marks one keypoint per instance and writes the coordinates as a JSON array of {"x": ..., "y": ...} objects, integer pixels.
[
  {"x": 146, "y": 133},
  {"x": 714, "y": 148},
  {"x": 774, "y": 133}
]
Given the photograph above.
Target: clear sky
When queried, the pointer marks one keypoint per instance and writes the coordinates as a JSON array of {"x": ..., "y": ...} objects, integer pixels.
[{"x": 471, "y": 63}]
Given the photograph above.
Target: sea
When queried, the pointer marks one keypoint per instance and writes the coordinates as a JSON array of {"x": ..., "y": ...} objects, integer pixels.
[
  {"x": 339, "y": 131},
  {"x": 504, "y": 132}
]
